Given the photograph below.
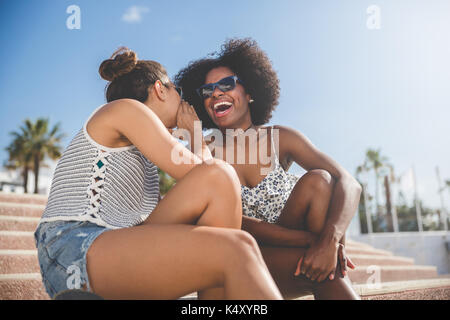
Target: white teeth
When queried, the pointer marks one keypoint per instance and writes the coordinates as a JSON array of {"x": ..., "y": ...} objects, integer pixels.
[{"x": 221, "y": 104}]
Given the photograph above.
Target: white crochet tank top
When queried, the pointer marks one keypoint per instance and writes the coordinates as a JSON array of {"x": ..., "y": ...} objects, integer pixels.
[{"x": 111, "y": 187}]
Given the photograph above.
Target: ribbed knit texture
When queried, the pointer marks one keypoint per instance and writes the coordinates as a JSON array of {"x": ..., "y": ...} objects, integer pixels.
[{"x": 112, "y": 187}]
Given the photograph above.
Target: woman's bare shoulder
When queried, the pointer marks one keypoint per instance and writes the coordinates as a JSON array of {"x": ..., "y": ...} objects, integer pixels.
[
  {"x": 119, "y": 106},
  {"x": 102, "y": 125},
  {"x": 287, "y": 139}
]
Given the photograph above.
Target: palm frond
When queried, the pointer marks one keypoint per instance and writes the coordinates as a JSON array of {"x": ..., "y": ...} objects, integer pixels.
[{"x": 32, "y": 143}]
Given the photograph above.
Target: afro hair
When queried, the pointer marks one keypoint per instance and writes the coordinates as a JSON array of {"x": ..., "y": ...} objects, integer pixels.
[{"x": 244, "y": 58}]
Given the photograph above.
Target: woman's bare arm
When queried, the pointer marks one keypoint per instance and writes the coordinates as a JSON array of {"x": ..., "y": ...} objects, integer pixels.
[
  {"x": 296, "y": 147},
  {"x": 320, "y": 261},
  {"x": 276, "y": 235},
  {"x": 142, "y": 127}
]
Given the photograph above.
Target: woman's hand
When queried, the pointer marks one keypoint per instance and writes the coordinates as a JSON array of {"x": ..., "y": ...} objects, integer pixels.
[
  {"x": 186, "y": 116},
  {"x": 318, "y": 262},
  {"x": 344, "y": 262},
  {"x": 318, "y": 259}
]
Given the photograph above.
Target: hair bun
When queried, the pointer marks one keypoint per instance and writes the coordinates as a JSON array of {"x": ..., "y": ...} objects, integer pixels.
[{"x": 122, "y": 61}]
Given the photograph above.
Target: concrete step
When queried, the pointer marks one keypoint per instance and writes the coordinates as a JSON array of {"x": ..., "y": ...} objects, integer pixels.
[
  {"x": 352, "y": 243},
  {"x": 18, "y": 261},
  {"x": 368, "y": 260},
  {"x": 421, "y": 294},
  {"x": 428, "y": 289},
  {"x": 17, "y": 240},
  {"x": 21, "y": 209},
  {"x": 367, "y": 251},
  {"x": 17, "y": 223},
  {"x": 23, "y": 198},
  {"x": 22, "y": 286},
  {"x": 376, "y": 274},
  {"x": 355, "y": 246}
]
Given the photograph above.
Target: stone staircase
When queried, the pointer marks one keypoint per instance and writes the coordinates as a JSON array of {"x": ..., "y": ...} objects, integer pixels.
[
  {"x": 378, "y": 275},
  {"x": 20, "y": 276}
]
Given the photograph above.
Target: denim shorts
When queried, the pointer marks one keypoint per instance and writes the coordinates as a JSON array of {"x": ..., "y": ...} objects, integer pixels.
[{"x": 62, "y": 248}]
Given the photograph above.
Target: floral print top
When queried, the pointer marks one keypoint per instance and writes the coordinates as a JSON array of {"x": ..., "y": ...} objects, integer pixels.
[{"x": 266, "y": 200}]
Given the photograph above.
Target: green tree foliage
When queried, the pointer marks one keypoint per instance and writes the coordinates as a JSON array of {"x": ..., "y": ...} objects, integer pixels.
[
  {"x": 19, "y": 157},
  {"x": 31, "y": 145},
  {"x": 166, "y": 182},
  {"x": 406, "y": 214}
]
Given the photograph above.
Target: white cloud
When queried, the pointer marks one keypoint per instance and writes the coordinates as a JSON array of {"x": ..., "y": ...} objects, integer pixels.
[
  {"x": 176, "y": 39},
  {"x": 134, "y": 14}
]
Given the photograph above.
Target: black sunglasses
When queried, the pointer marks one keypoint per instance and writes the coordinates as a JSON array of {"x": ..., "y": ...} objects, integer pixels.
[
  {"x": 226, "y": 84},
  {"x": 178, "y": 89}
]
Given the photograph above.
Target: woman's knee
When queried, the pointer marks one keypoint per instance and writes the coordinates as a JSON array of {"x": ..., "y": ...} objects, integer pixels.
[
  {"x": 222, "y": 172},
  {"x": 320, "y": 181},
  {"x": 220, "y": 189},
  {"x": 320, "y": 185},
  {"x": 222, "y": 177},
  {"x": 243, "y": 246},
  {"x": 238, "y": 253}
]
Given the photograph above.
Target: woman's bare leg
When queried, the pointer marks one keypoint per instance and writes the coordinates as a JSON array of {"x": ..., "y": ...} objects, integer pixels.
[
  {"x": 307, "y": 205},
  {"x": 169, "y": 261},
  {"x": 209, "y": 195},
  {"x": 161, "y": 260},
  {"x": 282, "y": 263},
  {"x": 306, "y": 209}
]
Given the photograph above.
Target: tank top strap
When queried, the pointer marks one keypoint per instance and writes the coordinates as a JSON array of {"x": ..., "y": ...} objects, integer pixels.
[{"x": 272, "y": 145}]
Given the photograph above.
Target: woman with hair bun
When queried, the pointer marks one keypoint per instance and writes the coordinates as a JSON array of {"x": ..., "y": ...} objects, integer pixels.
[{"x": 104, "y": 229}]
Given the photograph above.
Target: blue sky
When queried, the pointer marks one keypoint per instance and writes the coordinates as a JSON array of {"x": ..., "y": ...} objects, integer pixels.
[{"x": 345, "y": 86}]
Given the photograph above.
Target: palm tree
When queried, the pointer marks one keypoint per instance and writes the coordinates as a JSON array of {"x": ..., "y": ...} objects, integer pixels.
[
  {"x": 19, "y": 157},
  {"x": 36, "y": 143},
  {"x": 368, "y": 217},
  {"x": 388, "y": 178},
  {"x": 375, "y": 161},
  {"x": 43, "y": 143}
]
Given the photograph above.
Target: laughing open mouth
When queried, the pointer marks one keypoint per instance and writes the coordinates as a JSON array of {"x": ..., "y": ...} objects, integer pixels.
[{"x": 222, "y": 108}]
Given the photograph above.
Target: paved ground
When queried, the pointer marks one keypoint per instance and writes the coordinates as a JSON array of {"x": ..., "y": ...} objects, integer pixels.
[{"x": 424, "y": 294}]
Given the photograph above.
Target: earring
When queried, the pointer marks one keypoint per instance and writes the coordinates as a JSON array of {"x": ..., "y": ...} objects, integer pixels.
[{"x": 251, "y": 101}]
